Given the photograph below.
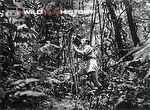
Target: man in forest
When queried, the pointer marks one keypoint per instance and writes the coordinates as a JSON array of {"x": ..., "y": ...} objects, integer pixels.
[{"x": 88, "y": 65}]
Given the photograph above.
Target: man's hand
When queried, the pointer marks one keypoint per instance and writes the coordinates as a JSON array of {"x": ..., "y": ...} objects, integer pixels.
[
  {"x": 74, "y": 48},
  {"x": 78, "y": 50}
]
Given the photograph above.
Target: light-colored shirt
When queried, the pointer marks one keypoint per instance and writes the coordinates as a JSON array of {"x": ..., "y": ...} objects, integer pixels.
[
  {"x": 89, "y": 64},
  {"x": 88, "y": 50}
]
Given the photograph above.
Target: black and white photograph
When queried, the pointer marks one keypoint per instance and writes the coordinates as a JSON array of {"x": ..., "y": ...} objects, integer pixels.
[{"x": 74, "y": 54}]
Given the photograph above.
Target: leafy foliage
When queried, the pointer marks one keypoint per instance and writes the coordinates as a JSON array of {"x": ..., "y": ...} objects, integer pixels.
[{"x": 37, "y": 64}]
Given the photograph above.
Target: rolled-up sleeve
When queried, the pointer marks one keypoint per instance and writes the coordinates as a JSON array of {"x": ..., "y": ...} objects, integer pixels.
[{"x": 87, "y": 49}]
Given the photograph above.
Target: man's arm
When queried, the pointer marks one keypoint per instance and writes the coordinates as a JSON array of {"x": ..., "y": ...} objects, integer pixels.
[{"x": 80, "y": 52}]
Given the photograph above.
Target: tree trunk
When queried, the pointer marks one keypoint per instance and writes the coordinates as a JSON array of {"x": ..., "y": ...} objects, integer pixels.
[
  {"x": 93, "y": 18},
  {"x": 132, "y": 24},
  {"x": 117, "y": 26}
]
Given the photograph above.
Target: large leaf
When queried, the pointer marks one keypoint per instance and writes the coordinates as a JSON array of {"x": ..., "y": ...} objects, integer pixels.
[
  {"x": 30, "y": 93},
  {"x": 53, "y": 80},
  {"x": 147, "y": 76},
  {"x": 30, "y": 80},
  {"x": 129, "y": 86},
  {"x": 17, "y": 82},
  {"x": 27, "y": 81},
  {"x": 120, "y": 99},
  {"x": 144, "y": 52}
]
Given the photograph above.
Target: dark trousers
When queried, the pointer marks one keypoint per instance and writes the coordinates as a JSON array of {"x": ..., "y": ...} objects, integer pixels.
[{"x": 94, "y": 77}]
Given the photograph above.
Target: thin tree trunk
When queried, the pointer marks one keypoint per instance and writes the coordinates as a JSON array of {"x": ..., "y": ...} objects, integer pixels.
[
  {"x": 132, "y": 24},
  {"x": 101, "y": 36},
  {"x": 93, "y": 18},
  {"x": 116, "y": 24}
]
